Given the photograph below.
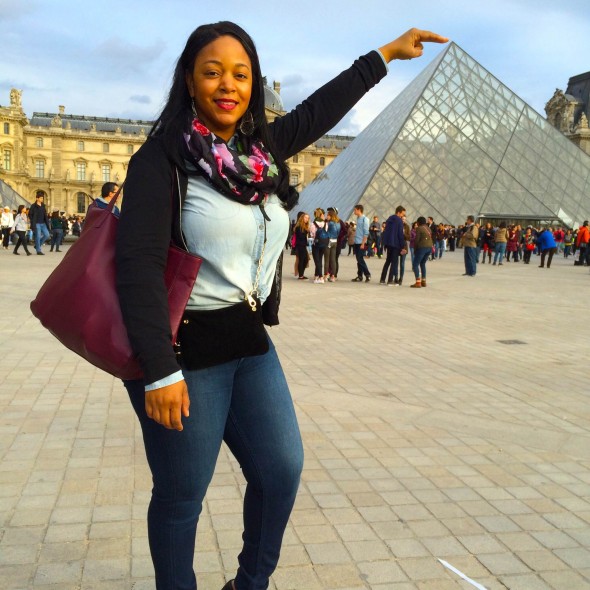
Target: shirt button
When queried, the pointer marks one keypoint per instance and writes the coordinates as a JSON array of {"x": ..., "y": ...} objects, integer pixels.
[{"x": 261, "y": 226}]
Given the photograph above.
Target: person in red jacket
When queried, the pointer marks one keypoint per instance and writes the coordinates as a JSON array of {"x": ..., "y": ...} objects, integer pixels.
[{"x": 582, "y": 243}]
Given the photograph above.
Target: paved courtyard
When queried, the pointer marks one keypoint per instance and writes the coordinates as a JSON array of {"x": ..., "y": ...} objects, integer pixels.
[{"x": 448, "y": 423}]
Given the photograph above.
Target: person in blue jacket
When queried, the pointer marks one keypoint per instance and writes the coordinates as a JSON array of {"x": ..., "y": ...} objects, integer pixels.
[{"x": 546, "y": 244}]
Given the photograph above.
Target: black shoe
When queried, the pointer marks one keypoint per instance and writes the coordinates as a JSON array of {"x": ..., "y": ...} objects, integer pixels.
[
  {"x": 28, "y": 253},
  {"x": 16, "y": 253},
  {"x": 367, "y": 280},
  {"x": 382, "y": 282},
  {"x": 40, "y": 254},
  {"x": 357, "y": 280},
  {"x": 58, "y": 250}
]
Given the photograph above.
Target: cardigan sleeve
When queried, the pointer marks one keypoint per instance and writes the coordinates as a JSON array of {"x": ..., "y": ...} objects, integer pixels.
[
  {"x": 143, "y": 238},
  {"x": 321, "y": 111}
]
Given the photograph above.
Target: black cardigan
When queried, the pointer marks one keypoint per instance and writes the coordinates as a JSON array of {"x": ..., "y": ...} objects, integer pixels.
[{"x": 146, "y": 221}]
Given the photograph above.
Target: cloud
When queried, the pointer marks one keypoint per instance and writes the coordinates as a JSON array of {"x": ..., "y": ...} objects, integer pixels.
[
  {"x": 11, "y": 10},
  {"x": 141, "y": 99},
  {"x": 127, "y": 58}
]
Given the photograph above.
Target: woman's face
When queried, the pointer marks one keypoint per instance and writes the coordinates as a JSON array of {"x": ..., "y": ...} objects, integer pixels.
[
  {"x": 306, "y": 218},
  {"x": 221, "y": 85}
]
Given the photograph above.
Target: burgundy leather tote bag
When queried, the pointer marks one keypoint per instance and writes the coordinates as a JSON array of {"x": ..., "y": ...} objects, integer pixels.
[{"x": 79, "y": 305}]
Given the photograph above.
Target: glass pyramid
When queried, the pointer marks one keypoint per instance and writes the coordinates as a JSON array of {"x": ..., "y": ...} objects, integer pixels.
[{"x": 457, "y": 142}]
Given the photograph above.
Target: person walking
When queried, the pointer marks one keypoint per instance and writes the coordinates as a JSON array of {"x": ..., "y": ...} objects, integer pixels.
[
  {"x": 423, "y": 244},
  {"x": 213, "y": 144},
  {"x": 21, "y": 225},
  {"x": 361, "y": 237},
  {"x": 57, "y": 231},
  {"x": 39, "y": 221}
]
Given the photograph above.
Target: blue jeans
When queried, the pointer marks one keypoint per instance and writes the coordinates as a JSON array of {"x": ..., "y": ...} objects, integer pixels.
[
  {"x": 402, "y": 265},
  {"x": 361, "y": 265},
  {"x": 421, "y": 255},
  {"x": 247, "y": 404},
  {"x": 470, "y": 254},
  {"x": 41, "y": 235},
  {"x": 499, "y": 251},
  {"x": 56, "y": 238}
]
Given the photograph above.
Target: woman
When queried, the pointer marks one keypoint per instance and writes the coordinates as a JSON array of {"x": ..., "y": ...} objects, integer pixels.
[
  {"x": 6, "y": 223},
  {"x": 351, "y": 235},
  {"x": 500, "y": 240},
  {"x": 512, "y": 244},
  {"x": 441, "y": 236},
  {"x": 568, "y": 240},
  {"x": 422, "y": 251},
  {"x": 301, "y": 236},
  {"x": 529, "y": 245},
  {"x": 487, "y": 240},
  {"x": 213, "y": 145},
  {"x": 57, "y": 231},
  {"x": 319, "y": 232},
  {"x": 413, "y": 241},
  {"x": 21, "y": 225},
  {"x": 330, "y": 254}
]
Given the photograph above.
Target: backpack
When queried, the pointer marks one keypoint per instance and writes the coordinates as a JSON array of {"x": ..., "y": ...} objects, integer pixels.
[
  {"x": 343, "y": 234},
  {"x": 321, "y": 236}
]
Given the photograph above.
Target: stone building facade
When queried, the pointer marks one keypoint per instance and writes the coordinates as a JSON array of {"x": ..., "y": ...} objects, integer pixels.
[
  {"x": 569, "y": 111},
  {"x": 70, "y": 157}
]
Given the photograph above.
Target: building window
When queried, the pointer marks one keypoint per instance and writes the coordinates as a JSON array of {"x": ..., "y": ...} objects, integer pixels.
[
  {"x": 129, "y": 149},
  {"x": 7, "y": 160},
  {"x": 106, "y": 172},
  {"x": 294, "y": 179},
  {"x": 39, "y": 142},
  {"x": 39, "y": 168},
  {"x": 105, "y": 148},
  {"x": 81, "y": 202},
  {"x": 80, "y": 171},
  {"x": 80, "y": 146},
  {"x": 322, "y": 161},
  {"x": 7, "y": 128},
  {"x": 295, "y": 159}
]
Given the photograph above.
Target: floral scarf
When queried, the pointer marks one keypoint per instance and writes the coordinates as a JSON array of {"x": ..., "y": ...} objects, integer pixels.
[{"x": 245, "y": 173}]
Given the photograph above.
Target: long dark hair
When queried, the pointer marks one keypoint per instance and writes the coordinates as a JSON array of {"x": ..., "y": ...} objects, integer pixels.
[{"x": 176, "y": 116}]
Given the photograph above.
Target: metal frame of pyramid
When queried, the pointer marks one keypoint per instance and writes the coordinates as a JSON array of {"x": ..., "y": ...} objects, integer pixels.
[
  {"x": 458, "y": 142},
  {"x": 10, "y": 198}
]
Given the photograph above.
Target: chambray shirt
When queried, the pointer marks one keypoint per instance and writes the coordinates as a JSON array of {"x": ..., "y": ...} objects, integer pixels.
[
  {"x": 229, "y": 237},
  {"x": 362, "y": 229}
]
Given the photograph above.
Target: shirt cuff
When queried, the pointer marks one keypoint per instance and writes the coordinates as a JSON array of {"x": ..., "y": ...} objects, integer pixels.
[
  {"x": 384, "y": 62},
  {"x": 170, "y": 380}
]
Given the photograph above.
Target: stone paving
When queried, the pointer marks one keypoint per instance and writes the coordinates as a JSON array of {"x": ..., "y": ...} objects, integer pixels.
[{"x": 449, "y": 423}]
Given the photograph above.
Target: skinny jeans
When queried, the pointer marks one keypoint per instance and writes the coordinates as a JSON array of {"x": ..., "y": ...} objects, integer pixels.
[
  {"x": 550, "y": 252},
  {"x": 421, "y": 255},
  {"x": 391, "y": 263},
  {"x": 21, "y": 240},
  {"x": 318, "y": 256},
  {"x": 246, "y": 404},
  {"x": 499, "y": 251}
]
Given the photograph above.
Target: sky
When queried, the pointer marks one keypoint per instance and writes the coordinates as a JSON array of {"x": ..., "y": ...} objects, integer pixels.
[{"x": 115, "y": 59}]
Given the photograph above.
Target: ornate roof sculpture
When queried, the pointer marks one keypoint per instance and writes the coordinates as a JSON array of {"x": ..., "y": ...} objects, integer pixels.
[{"x": 458, "y": 142}]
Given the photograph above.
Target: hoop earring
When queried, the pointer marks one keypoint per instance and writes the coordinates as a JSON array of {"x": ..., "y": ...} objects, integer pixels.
[
  {"x": 247, "y": 123},
  {"x": 194, "y": 108}
]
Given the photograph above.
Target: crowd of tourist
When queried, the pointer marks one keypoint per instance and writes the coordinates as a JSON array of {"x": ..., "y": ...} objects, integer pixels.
[
  {"x": 321, "y": 239},
  {"x": 32, "y": 225}
]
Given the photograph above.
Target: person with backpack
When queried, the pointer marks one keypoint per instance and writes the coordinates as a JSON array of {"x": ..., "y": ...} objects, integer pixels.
[{"x": 321, "y": 240}]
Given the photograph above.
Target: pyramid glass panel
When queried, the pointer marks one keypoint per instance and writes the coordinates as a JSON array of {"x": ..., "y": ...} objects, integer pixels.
[{"x": 458, "y": 142}]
